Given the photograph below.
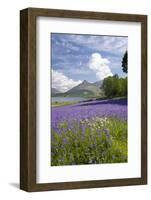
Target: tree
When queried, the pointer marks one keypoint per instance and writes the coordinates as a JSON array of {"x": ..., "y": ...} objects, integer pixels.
[
  {"x": 123, "y": 86},
  {"x": 114, "y": 86},
  {"x": 107, "y": 86},
  {"x": 124, "y": 62}
]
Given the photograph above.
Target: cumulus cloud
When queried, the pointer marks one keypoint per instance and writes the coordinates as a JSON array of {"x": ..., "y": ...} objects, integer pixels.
[
  {"x": 100, "y": 66},
  {"x": 62, "y": 82}
]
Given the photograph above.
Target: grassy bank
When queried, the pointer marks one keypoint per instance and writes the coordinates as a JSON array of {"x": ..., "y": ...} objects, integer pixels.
[{"x": 63, "y": 103}]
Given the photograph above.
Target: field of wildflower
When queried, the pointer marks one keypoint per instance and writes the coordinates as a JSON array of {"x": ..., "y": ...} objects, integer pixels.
[{"x": 91, "y": 132}]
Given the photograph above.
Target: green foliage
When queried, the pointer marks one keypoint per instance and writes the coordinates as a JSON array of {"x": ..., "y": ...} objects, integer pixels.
[
  {"x": 124, "y": 62},
  {"x": 114, "y": 86},
  {"x": 101, "y": 141}
]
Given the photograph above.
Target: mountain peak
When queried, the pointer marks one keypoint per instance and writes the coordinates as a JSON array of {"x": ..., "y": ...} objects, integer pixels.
[
  {"x": 84, "y": 89},
  {"x": 85, "y": 82}
]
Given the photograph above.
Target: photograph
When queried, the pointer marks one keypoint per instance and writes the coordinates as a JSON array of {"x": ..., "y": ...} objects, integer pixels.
[{"x": 89, "y": 75}]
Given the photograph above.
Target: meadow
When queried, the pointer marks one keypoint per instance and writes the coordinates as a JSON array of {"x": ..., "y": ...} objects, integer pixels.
[{"x": 89, "y": 132}]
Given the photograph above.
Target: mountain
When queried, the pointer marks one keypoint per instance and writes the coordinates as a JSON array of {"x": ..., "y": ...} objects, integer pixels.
[
  {"x": 84, "y": 89},
  {"x": 54, "y": 91},
  {"x": 98, "y": 83}
]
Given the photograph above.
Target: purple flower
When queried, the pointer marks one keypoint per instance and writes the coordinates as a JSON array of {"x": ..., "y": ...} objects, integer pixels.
[
  {"x": 107, "y": 133},
  {"x": 88, "y": 110},
  {"x": 108, "y": 136}
]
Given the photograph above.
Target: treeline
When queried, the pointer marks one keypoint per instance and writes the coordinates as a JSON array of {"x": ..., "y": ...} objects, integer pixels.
[{"x": 114, "y": 86}]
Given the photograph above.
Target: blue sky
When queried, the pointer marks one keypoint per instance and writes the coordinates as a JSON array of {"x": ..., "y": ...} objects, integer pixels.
[{"x": 75, "y": 58}]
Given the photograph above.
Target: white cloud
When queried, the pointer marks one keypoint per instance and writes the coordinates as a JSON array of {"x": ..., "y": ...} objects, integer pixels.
[
  {"x": 100, "y": 66},
  {"x": 114, "y": 44},
  {"x": 62, "y": 82}
]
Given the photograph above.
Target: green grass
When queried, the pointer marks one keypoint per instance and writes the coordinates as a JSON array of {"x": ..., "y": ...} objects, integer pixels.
[
  {"x": 95, "y": 141},
  {"x": 63, "y": 103}
]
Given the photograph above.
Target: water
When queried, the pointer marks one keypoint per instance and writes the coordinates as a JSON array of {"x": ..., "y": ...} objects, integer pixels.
[{"x": 67, "y": 99}]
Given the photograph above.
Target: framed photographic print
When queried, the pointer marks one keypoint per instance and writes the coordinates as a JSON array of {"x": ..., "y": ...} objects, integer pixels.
[{"x": 83, "y": 99}]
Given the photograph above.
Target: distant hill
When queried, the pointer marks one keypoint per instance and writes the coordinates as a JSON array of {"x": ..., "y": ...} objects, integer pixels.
[
  {"x": 84, "y": 89},
  {"x": 54, "y": 91}
]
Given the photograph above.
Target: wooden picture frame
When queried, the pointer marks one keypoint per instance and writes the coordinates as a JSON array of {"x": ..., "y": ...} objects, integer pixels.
[{"x": 28, "y": 98}]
